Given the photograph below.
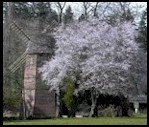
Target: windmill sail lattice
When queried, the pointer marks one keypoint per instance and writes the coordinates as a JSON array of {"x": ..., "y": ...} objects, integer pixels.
[
  {"x": 21, "y": 34},
  {"x": 25, "y": 38},
  {"x": 18, "y": 62}
]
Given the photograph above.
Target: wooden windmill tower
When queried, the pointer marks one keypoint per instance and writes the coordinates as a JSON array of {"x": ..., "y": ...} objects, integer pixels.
[{"x": 37, "y": 99}]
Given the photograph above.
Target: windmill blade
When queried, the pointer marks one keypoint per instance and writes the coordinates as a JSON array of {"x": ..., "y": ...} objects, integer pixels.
[
  {"x": 21, "y": 34},
  {"x": 15, "y": 69},
  {"x": 18, "y": 63},
  {"x": 25, "y": 38},
  {"x": 50, "y": 27}
]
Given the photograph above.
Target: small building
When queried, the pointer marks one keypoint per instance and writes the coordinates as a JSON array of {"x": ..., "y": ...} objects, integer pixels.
[{"x": 139, "y": 103}]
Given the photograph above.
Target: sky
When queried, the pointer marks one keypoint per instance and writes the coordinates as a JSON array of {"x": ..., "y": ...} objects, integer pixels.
[{"x": 76, "y": 7}]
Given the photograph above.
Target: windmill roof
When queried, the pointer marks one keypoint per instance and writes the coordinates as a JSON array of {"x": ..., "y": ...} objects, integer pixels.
[{"x": 41, "y": 44}]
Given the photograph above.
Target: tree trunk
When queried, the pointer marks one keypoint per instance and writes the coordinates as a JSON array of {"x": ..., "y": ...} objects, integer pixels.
[
  {"x": 94, "y": 100},
  {"x": 60, "y": 17},
  {"x": 57, "y": 102},
  {"x": 95, "y": 9},
  {"x": 92, "y": 109}
]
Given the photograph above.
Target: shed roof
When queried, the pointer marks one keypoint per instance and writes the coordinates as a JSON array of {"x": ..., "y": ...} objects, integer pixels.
[{"x": 140, "y": 98}]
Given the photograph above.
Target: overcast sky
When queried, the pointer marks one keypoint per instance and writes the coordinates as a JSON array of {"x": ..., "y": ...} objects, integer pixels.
[{"x": 77, "y": 10}]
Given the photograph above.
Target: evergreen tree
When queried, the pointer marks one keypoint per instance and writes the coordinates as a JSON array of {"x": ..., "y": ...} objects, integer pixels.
[
  {"x": 81, "y": 18},
  {"x": 23, "y": 10},
  {"x": 44, "y": 12},
  {"x": 142, "y": 36},
  {"x": 52, "y": 16},
  {"x": 127, "y": 16},
  {"x": 41, "y": 9},
  {"x": 68, "y": 17},
  {"x": 69, "y": 98}
]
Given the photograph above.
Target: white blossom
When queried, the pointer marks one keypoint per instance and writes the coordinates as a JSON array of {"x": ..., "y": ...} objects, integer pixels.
[{"x": 97, "y": 50}]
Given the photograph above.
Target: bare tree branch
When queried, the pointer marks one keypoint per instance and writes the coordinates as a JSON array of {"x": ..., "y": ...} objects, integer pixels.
[
  {"x": 86, "y": 7},
  {"x": 60, "y": 6}
]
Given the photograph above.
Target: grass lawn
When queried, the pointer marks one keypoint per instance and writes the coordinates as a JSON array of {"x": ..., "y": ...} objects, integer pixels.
[{"x": 137, "y": 120}]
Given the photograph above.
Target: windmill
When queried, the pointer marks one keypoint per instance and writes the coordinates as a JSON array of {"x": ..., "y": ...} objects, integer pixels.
[{"x": 37, "y": 101}]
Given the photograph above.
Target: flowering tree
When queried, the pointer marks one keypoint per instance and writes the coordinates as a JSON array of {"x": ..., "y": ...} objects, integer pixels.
[{"x": 95, "y": 55}]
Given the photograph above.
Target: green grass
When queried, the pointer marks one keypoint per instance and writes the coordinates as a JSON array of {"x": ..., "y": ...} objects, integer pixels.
[{"x": 82, "y": 121}]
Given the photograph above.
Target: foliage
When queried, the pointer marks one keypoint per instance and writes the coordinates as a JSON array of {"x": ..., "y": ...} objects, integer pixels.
[
  {"x": 81, "y": 18},
  {"x": 22, "y": 10},
  {"x": 68, "y": 96},
  {"x": 41, "y": 9},
  {"x": 142, "y": 36},
  {"x": 12, "y": 97},
  {"x": 68, "y": 17},
  {"x": 138, "y": 72},
  {"x": 52, "y": 16}
]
